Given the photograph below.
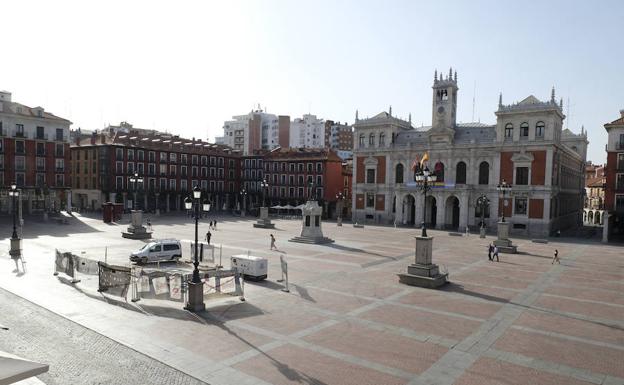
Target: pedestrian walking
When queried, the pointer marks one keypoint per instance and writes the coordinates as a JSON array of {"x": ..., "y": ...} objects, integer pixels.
[
  {"x": 208, "y": 236},
  {"x": 495, "y": 253},
  {"x": 148, "y": 224},
  {"x": 490, "y": 251},
  {"x": 273, "y": 243},
  {"x": 214, "y": 226},
  {"x": 556, "y": 257},
  {"x": 210, "y": 225}
]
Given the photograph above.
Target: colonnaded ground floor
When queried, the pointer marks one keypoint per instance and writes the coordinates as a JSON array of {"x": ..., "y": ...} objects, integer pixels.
[{"x": 346, "y": 319}]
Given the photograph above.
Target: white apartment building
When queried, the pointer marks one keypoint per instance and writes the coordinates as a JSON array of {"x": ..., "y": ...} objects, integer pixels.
[
  {"x": 308, "y": 131},
  {"x": 256, "y": 130}
]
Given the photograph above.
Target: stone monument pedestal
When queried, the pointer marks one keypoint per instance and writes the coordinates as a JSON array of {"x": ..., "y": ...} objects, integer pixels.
[
  {"x": 311, "y": 225},
  {"x": 195, "y": 297},
  {"x": 423, "y": 273},
  {"x": 136, "y": 230},
  {"x": 503, "y": 243},
  {"x": 264, "y": 222}
]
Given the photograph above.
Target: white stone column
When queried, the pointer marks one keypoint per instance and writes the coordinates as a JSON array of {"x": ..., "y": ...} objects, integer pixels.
[
  {"x": 463, "y": 212},
  {"x": 398, "y": 214},
  {"x": 549, "y": 168},
  {"x": 68, "y": 196},
  {"x": 441, "y": 211}
]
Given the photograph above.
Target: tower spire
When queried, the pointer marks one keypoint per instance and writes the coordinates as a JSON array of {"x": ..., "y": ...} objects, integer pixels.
[
  {"x": 356, "y": 115},
  {"x": 552, "y": 95},
  {"x": 500, "y": 99},
  {"x": 390, "y": 110},
  {"x": 450, "y": 73},
  {"x": 455, "y": 76},
  {"x": 410, "y": 118},
  {"x": 435, "y": 76}
]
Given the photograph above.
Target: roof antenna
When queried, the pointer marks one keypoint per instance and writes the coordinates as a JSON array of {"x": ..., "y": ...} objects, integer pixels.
[
  {"x": 474, "y": 93},
  {"x": 568, "y": 115}
]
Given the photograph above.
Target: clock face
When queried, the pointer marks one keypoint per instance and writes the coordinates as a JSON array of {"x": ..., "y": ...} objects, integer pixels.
[{"x": 440, "y": 110}]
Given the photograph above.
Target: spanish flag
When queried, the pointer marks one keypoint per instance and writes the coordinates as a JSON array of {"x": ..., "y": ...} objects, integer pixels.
[
  {"x": 424, "y": 159},
  {"x": 415, "y": 163}
]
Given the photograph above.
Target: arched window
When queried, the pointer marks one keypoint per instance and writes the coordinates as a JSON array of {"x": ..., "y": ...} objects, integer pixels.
[
  {"x": 398, "y": 175},
  {"x": 371, "y": 139},
  {"x": 524, "y": 130},
  {"x": 460, "y": 173},
  {"x": 382, "y": 139},
  {"x": 539, "y": 130},
  {"x": 362, "y": 138},
  {"x": 484, "y": 173},
  {"x": 509, "y": 130},
  {"x": 439, "y": 171}
]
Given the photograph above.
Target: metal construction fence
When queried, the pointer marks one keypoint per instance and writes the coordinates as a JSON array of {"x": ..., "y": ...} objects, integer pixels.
[{"x": 148, "y": 283}]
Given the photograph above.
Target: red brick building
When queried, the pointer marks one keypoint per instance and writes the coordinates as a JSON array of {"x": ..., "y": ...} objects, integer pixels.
[
  {"x": 614, "y": 185},
  {"x": 293, "y": 176},
  {"x": 170, "y": 167},
  {"x": 34, "y": 154}
]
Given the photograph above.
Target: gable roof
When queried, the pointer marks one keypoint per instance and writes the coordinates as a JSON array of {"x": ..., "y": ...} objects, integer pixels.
[{"x": 530, "y": 100}]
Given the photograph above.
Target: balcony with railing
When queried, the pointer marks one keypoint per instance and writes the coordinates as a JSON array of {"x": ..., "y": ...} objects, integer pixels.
[
  {"x": 619, "y": 146},
  {"x": 59, "y": 169},
  {"x": 41, "y": 136}
]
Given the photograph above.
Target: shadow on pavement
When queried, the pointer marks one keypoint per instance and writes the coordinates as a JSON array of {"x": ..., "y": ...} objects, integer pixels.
[{"x": 288, "y": 372}]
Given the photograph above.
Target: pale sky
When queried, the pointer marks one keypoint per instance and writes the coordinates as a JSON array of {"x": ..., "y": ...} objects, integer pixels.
[{"x": 187, "y": 66}]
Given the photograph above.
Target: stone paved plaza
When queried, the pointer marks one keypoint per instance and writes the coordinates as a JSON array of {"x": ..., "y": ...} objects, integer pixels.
[{"x": 347, "y": 320}]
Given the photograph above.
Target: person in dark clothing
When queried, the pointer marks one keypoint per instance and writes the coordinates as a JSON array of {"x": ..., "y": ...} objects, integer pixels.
[
  {"x": 208, "y": 236},
  {"x": 490, "y": 251}
]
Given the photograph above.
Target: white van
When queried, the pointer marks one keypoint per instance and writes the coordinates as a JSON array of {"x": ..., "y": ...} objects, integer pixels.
[{"x": 160, "y": 250}]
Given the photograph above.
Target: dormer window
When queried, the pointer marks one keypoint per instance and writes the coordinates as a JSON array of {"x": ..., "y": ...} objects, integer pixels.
[
  {"x": 509, "y": 130},
  {"x": 524, "y": 130},
  {"x": 539, "y": 130}
]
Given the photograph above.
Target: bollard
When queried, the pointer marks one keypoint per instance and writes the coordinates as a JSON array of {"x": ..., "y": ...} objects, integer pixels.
[
  {"x": 284, "y": 266},
  {"x": 201, "y": 252},
  {"x": 242, "y": 278}
]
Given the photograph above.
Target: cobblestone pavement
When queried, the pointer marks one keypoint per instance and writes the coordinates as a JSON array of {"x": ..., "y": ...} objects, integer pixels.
[
  {"x": 76, "y": 355},
  {"x": 346, "y": 319}
]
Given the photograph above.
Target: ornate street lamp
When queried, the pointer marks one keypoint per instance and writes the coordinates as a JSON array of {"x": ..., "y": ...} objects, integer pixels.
[
  {"x": 483, "y": 202},
  {"x": 14, "y": 193},
  {"x": 196, "y": 286},
  {"x": 136, "y": 180},
  {"x": 423, "y": 181},
  {"x": 243, "y": 197},
  {"x": 264, "y": 186},
  {"x": 503, "y": 188},
  {"x": 339, "y": 202}
]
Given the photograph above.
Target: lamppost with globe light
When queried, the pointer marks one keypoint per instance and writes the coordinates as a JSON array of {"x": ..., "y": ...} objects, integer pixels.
[
  {"x": 135, "y": 179},
  {"x": 264, "y": 186},
  {"x": 503, "y": 188},
  {"x": 423, "y": 180},
  {"x": 482, "y": 202},
  {"x": 14, "y": 193},
  {"x": 243, "y": 197},
  {"x": 339, "y": 203},
  {"x": 16, "y": 247},
  {"x": 196, "y": 291}
]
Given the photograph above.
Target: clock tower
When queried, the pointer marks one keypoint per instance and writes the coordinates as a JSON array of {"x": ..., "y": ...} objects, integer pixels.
[{"x": 444, "y": 111}]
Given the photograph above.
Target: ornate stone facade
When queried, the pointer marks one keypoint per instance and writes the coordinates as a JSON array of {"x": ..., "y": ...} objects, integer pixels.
[{"x": 527, "y": 147}]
